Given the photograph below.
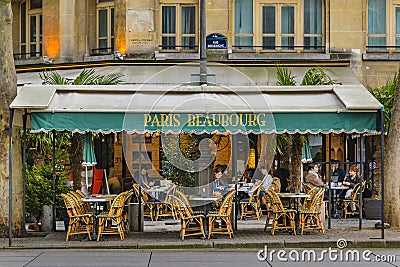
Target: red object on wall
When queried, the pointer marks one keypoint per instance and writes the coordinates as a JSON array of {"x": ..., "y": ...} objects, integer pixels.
[{"x": 97, "y": 180}]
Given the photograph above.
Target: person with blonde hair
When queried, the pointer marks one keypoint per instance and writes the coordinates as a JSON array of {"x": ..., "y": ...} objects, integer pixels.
[{"x": 351, "y": 180}]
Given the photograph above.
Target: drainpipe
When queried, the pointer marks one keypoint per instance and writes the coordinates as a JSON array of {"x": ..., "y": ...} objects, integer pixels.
[
  {"x": 203, "y": 60},
  {"x": 382, "y": 174}
]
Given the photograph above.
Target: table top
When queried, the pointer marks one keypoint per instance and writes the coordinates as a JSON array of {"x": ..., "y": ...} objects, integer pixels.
[
  {"x": 157, "y": 189},
  {"x": 98, "y": 198},
  {"x": 337, "y": 187},
  {"x": 199, "y": 198},
  {"x": 294, "y": 195}
]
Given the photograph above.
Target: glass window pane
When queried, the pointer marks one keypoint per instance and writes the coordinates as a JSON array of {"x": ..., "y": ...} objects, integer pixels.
[
  {"x": 397, "y": 19},
  {"x": 35, "y": 4},
  {"x": 313, "y": 43},
  {"x": 313, "y": 16},
  {"x": 188, "y": 20},
  {"x": 112, "y": 21},
  {"x": 376, "y": 43},
  {"x": 287, "y": 43},
  {"x": 103, "y": 23},
  {"x": 243, "y": 16},
  {"x": 244, "y": 42},
  {"x": 397, "y": 43},
  {"x": 168, "y": 19},
  {"x": 269, "y": 43},
  {"x": 376, "y": 17},
  {"x": 23, "y": 50},
  {"x": 287, "y": 20},
  {"x": 23, "y": 22},
  {"x": 40, "y": 28},
  {"x": 103, "y": 44},
  {"x": 32, "y": 21},
  {"x": 32, "y": 50},
  {"x": 268, "y": 19},
  {"x": 168, "y": 43},
  {"x": 188, "y": 43}
]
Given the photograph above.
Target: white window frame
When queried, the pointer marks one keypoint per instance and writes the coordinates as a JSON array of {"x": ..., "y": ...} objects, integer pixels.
[
  {"x": 390, "y": 34},
  {"x": 299, "y": 34},
  {"x": 108, "y": 7},
  {"x": 178, "y": 28},
  {"x": 38, "y": 14}
]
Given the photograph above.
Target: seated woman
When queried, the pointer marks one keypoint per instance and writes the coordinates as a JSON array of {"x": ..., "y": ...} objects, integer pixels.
[{"x": 219, "y": 186}]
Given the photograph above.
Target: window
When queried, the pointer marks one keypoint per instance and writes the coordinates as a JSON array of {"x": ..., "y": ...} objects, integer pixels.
[
  {"x": 178, "y": 27},
  {"x": 279, "y": 25},
  {"x": 31, "y": 29},
  {"x": 105, "y": 27},
  {"x": 383, "y": 25}
]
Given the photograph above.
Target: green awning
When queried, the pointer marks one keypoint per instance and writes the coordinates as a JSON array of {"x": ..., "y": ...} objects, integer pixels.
[
  {"x": 199, "y": 109},
  {"x": 281, "y": 123}
]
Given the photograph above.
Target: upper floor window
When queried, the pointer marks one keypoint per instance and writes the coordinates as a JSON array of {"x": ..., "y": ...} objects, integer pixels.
[
  {"x": 383, "y": 25},
  {"x": 272, "y": 25},
  {"x": 105, "y": 26},
  {"x": 31, "y": 29},
  {"x": 178, "y": 27}
]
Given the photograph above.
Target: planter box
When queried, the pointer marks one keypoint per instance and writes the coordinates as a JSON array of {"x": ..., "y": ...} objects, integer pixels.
[{"x": 372, "y": 209}]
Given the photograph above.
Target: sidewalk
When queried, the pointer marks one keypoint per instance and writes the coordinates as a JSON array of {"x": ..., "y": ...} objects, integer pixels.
[{"x": 250, "y": 235}]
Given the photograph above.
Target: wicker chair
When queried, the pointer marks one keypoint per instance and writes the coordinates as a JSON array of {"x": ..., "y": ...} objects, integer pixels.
[
  {"x": 191, "y": 224},
  {"x": 251, "y": 206},
  {"x": 150, "y": 206},
  {"x": 125, "y": 213},
  {"x": 279, "y": 212},
  {"x": 311, "y": 212},
  {"x": 166, "y": 208},
  {"x": 351, "y": 204},
  {"x": 222, "y": 216},
  {"x": 179, "y": 194},
  {"x": 113, "y": 222},
  {"x": 79, "y": 221}
]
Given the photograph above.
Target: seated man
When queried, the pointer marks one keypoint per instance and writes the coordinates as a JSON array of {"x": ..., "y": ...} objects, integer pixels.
[{"x": 312, "y": 178}]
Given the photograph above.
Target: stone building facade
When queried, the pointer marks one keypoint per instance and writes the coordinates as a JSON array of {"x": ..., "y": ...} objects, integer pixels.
[{"x": 365, "y": 33}]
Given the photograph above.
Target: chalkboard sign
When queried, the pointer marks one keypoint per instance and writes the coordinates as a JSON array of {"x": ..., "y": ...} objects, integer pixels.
[{"x": 216, "y": 41}]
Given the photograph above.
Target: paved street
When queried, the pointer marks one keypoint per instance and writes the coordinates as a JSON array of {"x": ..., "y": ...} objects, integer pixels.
[
  {"x": 160, "y": 245},
  {"x": 176, "y": 258}
]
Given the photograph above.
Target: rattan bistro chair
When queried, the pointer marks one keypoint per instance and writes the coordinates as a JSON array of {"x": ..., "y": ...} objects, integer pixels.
[
  {"x": 222, "y": 216},
  {"x": 112, "y": 222},
  {"x": 251, "y": 206},
  {"x": 166, "y": 207},
  {"x": 150, "y": 206},
  {"x": 79, "y": 222},
  {"x": 351, "y": 204},
  {"x": 311, "y": 212},
  {"x": 191, "y": 224},
  {"x": 279, "y": 213}
]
